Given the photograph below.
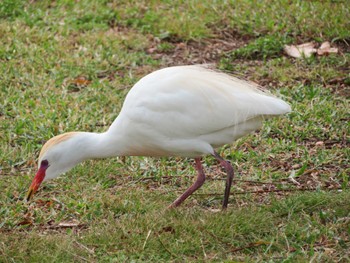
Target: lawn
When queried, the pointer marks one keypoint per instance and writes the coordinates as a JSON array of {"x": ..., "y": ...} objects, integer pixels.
[{"x": 68, "y": 65}]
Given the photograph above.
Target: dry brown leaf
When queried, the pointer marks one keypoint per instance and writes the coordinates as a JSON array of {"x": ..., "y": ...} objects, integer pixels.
[
  {"x": 329, "y": 251},
  {"x": 319, "y": 143},
  {"x": 303, "y": 50},
  {"x": 43, "y": 203},
  {"x": 81, "y": 81},
  {"x": 151, "y": 50},
  {"x": 24, "y": 222}
]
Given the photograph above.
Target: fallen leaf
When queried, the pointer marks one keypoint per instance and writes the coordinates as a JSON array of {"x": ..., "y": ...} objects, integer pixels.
[
  {"x": 307, "y": 49},
  {"x": 43, "y": 203},
  {"x": 326, "y": 49},
  {"x": 25, "y": 222},
  {"x": 81, "y": 81},
  {"x": 181, "y": 45},
  {"x": 325, "y": 45},
  {"x": 73, "y": 224},
  {"x": 151, "y": 50},
  {"x": 328, "y": 251},
  {"x": 319, "y": 143},
  {"x": 303, "y": 50}
]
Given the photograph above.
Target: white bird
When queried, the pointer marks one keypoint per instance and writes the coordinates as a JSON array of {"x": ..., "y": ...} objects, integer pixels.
[{"x": 186, "y": 111}]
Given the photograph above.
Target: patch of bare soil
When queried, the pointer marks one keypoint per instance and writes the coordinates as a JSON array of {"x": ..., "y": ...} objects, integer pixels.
[
  {"x": 343, "y": 45},
  {"x": 204, "y": 51}
]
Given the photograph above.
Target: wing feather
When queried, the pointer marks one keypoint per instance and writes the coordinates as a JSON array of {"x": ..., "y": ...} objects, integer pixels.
[{"x": 189, "y": 101}]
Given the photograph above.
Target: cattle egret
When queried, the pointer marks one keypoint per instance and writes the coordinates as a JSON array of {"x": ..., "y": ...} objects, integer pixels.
[{"x": 186, "y": 111}]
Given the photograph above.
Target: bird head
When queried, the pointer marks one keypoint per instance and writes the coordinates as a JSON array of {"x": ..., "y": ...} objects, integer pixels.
[
  {"x": 39, "y": 177},
  {"x": 57, "y": 156}
]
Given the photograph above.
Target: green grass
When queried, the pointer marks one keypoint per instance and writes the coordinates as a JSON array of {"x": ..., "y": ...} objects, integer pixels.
[
  {"x": 114, "y": 210},
  {"x": 294, "y": 228}
]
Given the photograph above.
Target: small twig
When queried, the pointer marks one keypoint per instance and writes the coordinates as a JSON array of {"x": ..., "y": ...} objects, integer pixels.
[
  {"x": 85, "y": 247},
  {"x": 144, "y": 244},
  {"x": 256, "y": 244},
  {"x": 77, "y": 226},
  {"x": 287, "y": 242},
  {"x": 203, "y": 249}
]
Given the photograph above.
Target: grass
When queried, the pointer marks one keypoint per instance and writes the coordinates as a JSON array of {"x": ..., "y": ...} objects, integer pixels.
[{"x": 68, "y": 66}]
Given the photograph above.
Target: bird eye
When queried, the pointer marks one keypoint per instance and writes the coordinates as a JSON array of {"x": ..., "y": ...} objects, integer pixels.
[{"x": 44, "y": 163}]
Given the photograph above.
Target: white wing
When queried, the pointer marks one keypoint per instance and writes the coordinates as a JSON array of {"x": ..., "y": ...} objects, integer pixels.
[{"x": 189, "y": 104}]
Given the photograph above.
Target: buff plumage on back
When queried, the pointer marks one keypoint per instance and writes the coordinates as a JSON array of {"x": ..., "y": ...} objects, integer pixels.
[{"x": 54, "y": 141}]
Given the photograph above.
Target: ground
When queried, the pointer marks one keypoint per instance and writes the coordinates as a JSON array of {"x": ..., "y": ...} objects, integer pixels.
[{"x": 68, "y": 65}]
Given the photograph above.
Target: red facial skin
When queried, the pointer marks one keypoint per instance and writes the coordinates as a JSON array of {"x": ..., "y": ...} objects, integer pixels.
[{"x": 39, "y": 177}]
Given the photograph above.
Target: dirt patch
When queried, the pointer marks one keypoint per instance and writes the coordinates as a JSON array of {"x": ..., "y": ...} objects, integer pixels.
[
  {"x": 343, "y": 45},
  {"x": 205, "y": 51}
]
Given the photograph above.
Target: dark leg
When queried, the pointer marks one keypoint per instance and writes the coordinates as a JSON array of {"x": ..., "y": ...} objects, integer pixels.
[
  {"x": 229, "y": 169},
  {"x": 197, "y": 184}
]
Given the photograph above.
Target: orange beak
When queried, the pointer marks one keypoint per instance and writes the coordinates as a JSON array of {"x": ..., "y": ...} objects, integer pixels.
[{"x": 39, "y": 177}]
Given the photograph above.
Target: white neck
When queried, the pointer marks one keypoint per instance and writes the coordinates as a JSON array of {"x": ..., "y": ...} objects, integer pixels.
[{"x": 91, "y": 145}]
